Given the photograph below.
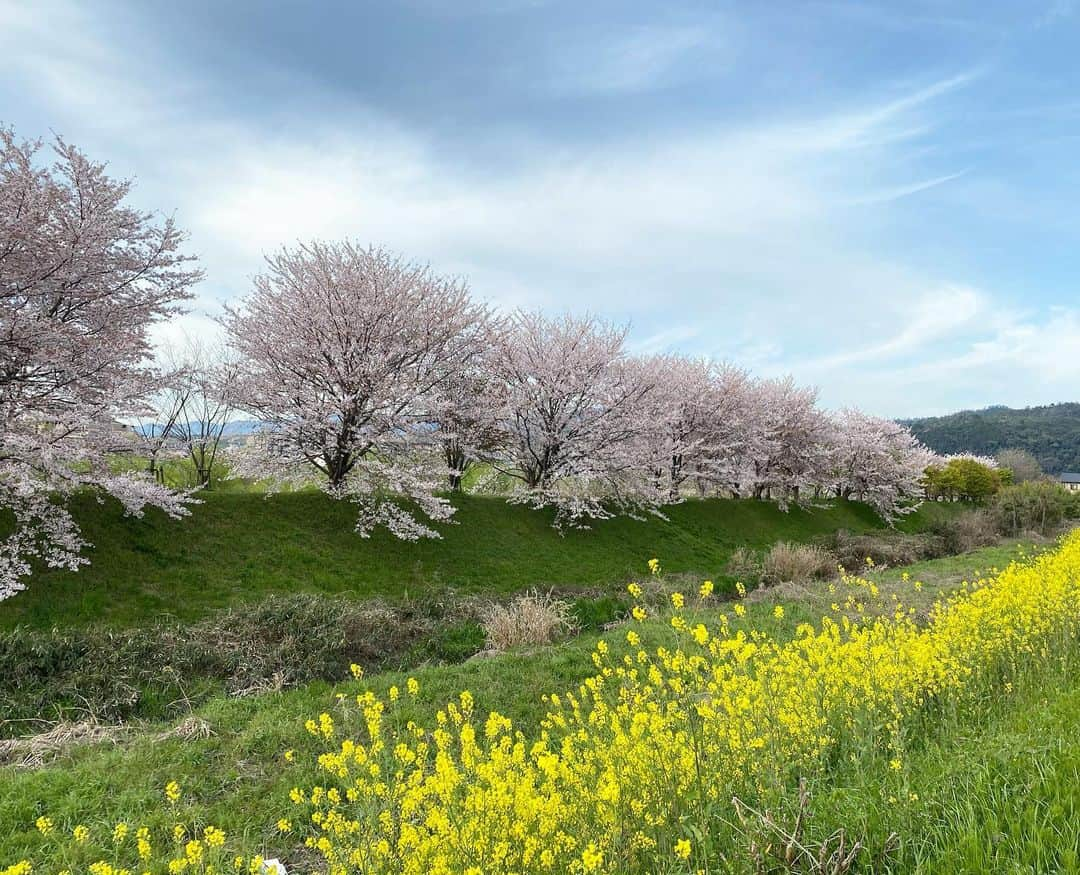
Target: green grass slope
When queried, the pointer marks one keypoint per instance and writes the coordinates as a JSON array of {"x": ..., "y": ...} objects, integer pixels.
[
  {"x": 238, "y": 546},
  {"x": 1000, "y": 796}
]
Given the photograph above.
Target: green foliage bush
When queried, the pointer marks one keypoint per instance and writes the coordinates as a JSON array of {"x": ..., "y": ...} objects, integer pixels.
[
  {"x": 452, "y": 643},
  {"x": 965, "y": 479},
  {"x": 1037, "y": 505},
  {"x": 593, "y": 614}
]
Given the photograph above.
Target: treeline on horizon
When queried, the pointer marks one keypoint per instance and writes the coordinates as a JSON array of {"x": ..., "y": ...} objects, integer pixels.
[{"x": 1051, "y": 433}]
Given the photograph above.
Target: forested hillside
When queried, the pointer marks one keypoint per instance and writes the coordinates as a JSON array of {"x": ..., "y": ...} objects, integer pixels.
[{"x": 1051, "y": 433}]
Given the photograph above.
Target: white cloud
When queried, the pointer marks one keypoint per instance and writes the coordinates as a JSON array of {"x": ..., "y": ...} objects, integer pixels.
[{"x": 753, "y": 243}]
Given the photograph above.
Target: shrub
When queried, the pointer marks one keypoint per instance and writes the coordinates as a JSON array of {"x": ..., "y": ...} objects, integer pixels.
[
  {"x": 965, "y": 478},
  {"x": 451, "y": 643},
  {"x": 967, "y": 531},
  {"x": 744, "y": 565},
  {"x": 885, "y": 549},
  {"x": 796, "y": 563},
  {"x": 1037, "y": 505},
  {"x": 593, "y": 614},
  {"x": 530, "y": 619},
  {"x": 163, "y": 670}
]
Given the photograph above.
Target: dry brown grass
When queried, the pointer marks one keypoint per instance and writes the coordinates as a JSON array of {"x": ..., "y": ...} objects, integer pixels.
[
  {"x": 530, "y": 619},
  {"x": 42, "y": 748},
  {"x": 744, "y": 565},
  {"x": 34, "y": 751},
  {"x": 970, "y": 531},
  {"x": 188, "y": 729},
  {"x": 886, "y": 549},
  {"x": 796, "y": 563}
]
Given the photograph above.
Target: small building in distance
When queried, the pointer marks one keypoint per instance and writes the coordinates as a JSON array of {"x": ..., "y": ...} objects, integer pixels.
[{"x": 1070, "y": 481}]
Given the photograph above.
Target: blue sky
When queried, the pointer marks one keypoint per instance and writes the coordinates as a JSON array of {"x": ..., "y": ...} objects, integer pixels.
[{"x": 878, "y": 198}]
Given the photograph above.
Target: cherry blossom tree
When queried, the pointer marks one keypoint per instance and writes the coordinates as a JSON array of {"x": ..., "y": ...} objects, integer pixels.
[
  {"x": 155, "y": 425},
  {"x": 699, "y": 421},
  {"x": 465, "y": 413},
  {"x": 83, "y": 276},
  {"x": 573, "y": 418},
  {"x": 342, "y": 350},
  {"x": 878, "y": 461},
  {"x": 788, "y": 444}
]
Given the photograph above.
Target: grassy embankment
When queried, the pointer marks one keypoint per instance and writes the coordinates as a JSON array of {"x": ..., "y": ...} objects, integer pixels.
[{"x": 240, "y": 546}]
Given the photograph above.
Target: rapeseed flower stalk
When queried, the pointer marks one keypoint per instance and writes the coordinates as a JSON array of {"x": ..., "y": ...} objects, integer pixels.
[
  {"x": 641, "y": 757},
  {"x": 191, "y": 852}
]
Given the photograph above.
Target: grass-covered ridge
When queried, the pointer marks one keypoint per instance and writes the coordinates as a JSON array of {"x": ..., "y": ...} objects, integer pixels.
[{"x": 240, "y": 546}]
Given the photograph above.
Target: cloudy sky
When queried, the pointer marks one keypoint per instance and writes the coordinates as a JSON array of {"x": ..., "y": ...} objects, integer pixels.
[{"x": 879, "y": 198}]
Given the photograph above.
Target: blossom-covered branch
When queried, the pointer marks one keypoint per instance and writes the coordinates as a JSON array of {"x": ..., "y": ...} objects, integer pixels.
[{"x": 82, "y": 278}]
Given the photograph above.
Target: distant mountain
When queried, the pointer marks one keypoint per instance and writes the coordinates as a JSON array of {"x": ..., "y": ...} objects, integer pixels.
[{"x": 1051, "y": 433}]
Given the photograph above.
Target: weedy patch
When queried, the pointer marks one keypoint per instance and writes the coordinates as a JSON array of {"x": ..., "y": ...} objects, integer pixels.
[
  {"x": 190, "y": 728},
  {"x": 796, "y": 563},
  {"x": 34, "y": 751},
  {"x": 530, "y": 619},
  {"x": 773, "y": 846}
]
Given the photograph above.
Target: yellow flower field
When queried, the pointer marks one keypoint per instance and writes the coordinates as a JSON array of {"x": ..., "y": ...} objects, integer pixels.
[
  {"x": 637, "y": 769},
  {"x": 632, "y": 769}
]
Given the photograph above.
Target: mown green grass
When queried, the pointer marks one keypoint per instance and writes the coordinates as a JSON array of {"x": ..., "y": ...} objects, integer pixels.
[
  {"x": 1011, "y": 771},
  {"x": 239, "y": 545}
]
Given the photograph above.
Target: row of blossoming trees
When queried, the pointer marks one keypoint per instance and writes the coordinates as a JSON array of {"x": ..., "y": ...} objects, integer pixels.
[
  {"x": 379, "y": 379},
  {"x": 388, "y": 382}
]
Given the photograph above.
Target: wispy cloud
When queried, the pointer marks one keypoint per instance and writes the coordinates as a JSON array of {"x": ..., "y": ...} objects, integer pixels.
[
  {"x": 901, "y": 191},
  {"x": 753, "y": 240},
  {"x": 646, "y": 57}
]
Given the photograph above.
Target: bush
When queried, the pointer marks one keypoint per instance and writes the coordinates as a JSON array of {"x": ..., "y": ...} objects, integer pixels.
[
  {"x": 967, "y": 531},
  {"x": 796, "y": 563},
  {"x": 964, "y": 478},
  {"x": 163, "y": 670},
  {"x": 1037, "y": 505},
  {"x": 530, "y": 619},
  {"x": 451, "y": 643},
  {"x": 593, "y": 614},
  {"x": 885, "y": 549},
  {"x": 745, "y": 565}
]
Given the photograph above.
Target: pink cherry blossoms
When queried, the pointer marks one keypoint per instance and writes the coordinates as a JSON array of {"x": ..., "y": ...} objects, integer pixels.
[
  {"x": 82, "y": 278},
  {"x": 344, "y": 351},
  {"x": 376, "y": 378}
]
